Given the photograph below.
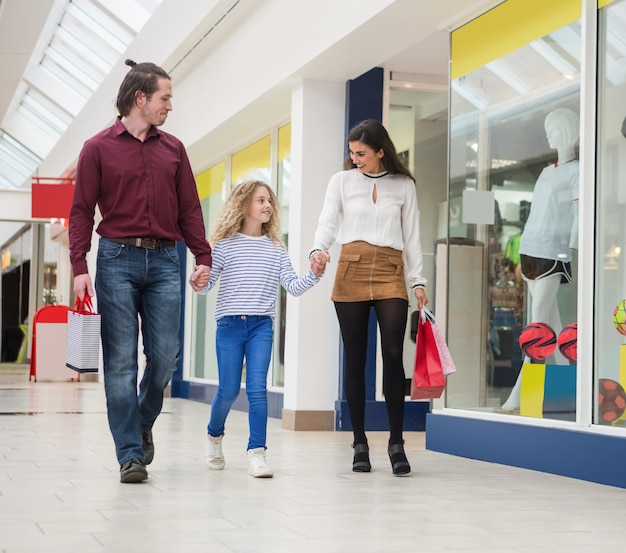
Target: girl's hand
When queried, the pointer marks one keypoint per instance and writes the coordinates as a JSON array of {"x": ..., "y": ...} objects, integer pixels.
[
  {"x": 318, "y": 262},
  {"x": 200, "y": 277}
]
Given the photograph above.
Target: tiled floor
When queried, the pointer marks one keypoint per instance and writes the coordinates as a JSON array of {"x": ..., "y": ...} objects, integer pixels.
[{"x": 60, "y": 492}]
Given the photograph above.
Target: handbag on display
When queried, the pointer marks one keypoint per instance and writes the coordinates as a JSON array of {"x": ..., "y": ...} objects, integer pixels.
[
  {"x": 447, "y": 364},
  {"x": 83, "y": 337},
  {"x": 428, "y": 379}
]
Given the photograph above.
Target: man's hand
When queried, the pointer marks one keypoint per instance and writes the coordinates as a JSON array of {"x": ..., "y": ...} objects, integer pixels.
[
  {"x": 200, "y": 277},
  {"x": 83, "y": 286}
]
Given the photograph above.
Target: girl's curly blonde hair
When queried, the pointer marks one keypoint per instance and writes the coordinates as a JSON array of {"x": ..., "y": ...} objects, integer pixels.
[{"x": 234, "y": 211}]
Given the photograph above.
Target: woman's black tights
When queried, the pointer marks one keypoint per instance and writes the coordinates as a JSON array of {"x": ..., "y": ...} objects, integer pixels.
[{"x": 353, "y": 321}]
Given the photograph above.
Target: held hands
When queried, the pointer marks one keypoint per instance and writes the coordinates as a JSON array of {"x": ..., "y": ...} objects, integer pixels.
[
  {"x": 420, "y": 296},
  {"x": 318, "y": 262},
  {"x": 200, "y": 277}
]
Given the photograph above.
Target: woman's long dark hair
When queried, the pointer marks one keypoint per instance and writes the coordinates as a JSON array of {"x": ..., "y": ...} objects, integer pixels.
[
  {"x": 142, "y": 77},
  {"x": 373, "y": 134}
]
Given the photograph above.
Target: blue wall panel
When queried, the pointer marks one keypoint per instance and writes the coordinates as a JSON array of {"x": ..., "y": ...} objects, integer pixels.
[
  {"x": 364, "y": 97},
  {"x": 583, "y": 455}
]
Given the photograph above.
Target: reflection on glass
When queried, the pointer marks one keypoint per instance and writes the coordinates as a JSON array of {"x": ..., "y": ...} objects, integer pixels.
[
  {"x": 418, "y": 126},
  {"x": 513, "y": 131},
  {"x": 203, "y": 360},
  {"x": 610, "y": 291},
  {"x": 545, "y": 245},
  {"x": 252, "y": 163},
  {"x": 282, "y": 192},
  {"x": 88, "y": 40}
]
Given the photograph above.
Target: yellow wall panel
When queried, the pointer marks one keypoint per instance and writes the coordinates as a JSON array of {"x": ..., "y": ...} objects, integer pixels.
[
  {"x": 249, "y": 159},
  {"x": 508, "y": 27},
  {"x": 211, "y": 181},
  {"x": 284, "y": 143}
]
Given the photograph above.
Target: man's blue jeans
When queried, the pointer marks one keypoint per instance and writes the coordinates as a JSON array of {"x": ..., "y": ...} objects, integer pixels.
[
  {"x": 238, "y": 337},
  {"x": 133, "y": 281}
]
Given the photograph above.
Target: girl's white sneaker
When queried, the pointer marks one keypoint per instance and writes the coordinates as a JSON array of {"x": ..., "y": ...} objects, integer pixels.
[
  {"x": 257, "y": 464},
  {"x": 214, "y": 456}
]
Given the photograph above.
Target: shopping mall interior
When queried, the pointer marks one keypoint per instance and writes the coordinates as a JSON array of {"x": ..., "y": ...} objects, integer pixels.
[{"x": 519, "y": 454}]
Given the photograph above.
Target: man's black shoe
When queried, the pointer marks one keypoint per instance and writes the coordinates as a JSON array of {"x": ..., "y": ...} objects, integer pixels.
[
  {"x": 147, "y": 445},
  {"x": 133, "y": 471}
]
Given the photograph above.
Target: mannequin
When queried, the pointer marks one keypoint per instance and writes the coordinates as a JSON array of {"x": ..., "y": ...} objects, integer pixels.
[{"x": 551, "y": 231}]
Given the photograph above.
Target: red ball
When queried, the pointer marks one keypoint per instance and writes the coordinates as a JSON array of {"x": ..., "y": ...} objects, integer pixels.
[
  {"x": 568, "y": 341},
  {"x": 611, "y": 400},
  {"x": 537, "y": 341}
]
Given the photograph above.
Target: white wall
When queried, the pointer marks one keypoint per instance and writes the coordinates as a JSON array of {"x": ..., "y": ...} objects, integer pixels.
[{"x": 241, "y": 75}]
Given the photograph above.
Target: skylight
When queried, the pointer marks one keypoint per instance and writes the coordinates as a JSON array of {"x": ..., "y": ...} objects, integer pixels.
[{"x": 88, "y": 39}]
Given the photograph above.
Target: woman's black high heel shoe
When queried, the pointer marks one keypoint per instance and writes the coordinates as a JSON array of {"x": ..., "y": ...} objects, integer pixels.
[
  {"x": 399, "y": 463},
  {"x": 361, "y": 461}
]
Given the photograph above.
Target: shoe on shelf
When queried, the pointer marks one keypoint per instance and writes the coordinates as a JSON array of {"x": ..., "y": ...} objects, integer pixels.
[
  {"x": 147, "y": 445},
  {"x": 133, "y": 471},
  {"x": 399, "y": 463},
  {"x": 361, "y": 460},
  {"x": 214, "y": 456},
  {"x": 257, "y": 464}
]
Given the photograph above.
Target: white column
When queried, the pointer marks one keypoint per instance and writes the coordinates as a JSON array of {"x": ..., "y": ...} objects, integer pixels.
[
  {"x": 312, "y": 332},
  {"x": 587, "y": 212},
  {"x": 64, "y": 268}
]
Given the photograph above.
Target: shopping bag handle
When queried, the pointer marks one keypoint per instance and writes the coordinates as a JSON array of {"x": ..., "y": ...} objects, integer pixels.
[
  {"x": 83, "y": 305},
  {"x": 426, "y": 315}
]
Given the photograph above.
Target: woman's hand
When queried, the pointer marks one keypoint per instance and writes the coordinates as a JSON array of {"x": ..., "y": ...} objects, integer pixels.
[
  {"x": 318, "y": 262},
  {"x": 420, "y": 296}
]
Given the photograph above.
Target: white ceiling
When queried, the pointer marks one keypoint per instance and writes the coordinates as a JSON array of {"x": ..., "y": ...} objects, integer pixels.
[
  {"x": 28, "y": 27},
  {"x": 55, "y": 54},
  {"x": 419, "y": 52}
]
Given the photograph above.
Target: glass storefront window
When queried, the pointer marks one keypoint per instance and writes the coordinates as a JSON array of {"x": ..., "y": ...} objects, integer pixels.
[
  {"x": 50, "y": 268},
  {"x": 610, "y": 273},
  {"x": 203, "y": 363},
  {"x": 418, "y": 126},
  {"x": 512, "y": 227},
  {"x": 282, "y": 191},
  {"x": 14, "y": 294},
  {"x": 252, "y": 163}
]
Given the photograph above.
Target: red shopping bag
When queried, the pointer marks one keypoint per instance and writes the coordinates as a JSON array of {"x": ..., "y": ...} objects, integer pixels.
[
  {"x": 447, "y": 364},
  {"x": 428, "y": 378}
]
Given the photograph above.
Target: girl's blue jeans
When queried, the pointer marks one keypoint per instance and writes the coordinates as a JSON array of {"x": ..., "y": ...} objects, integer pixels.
[{"x": 242, "y": 338}]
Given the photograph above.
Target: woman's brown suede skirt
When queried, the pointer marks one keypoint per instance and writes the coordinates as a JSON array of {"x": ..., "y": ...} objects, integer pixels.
[{"x": 366, "y": 272}]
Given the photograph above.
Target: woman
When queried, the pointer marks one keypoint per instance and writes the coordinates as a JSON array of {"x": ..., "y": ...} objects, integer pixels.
[{"x": 371, "y": 210}]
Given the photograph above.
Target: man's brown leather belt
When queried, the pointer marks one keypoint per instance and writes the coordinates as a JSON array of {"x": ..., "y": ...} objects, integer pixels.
[{"x": 147, "y": 243}]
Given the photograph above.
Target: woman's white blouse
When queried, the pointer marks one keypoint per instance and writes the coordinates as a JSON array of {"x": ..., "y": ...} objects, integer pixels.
[{"x": 350, "y": 214}]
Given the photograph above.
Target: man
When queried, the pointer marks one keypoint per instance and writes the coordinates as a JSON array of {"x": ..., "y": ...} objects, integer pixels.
[{"x": 141, "y": 180}]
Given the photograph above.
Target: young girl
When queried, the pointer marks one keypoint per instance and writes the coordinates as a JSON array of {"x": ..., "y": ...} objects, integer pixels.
[{"x": 251, "y": 260}]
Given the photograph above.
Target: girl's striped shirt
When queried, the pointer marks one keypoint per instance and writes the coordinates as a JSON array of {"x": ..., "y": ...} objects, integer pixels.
[{"x": 249, "y": 269}]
